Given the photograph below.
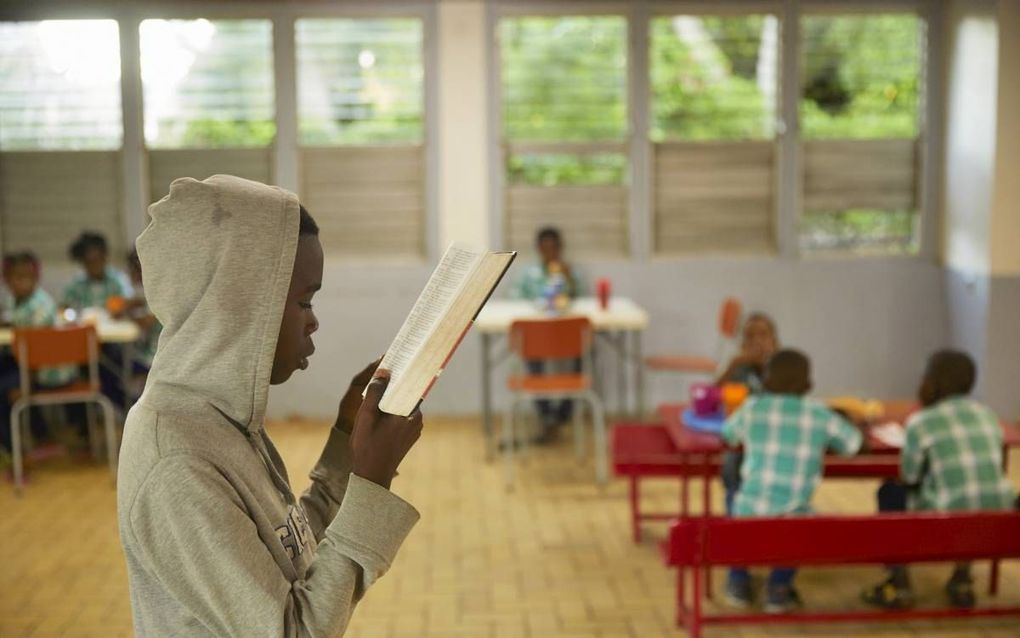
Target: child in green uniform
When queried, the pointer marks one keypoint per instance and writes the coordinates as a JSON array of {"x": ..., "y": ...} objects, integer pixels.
[{"x": 951, "y": 461}]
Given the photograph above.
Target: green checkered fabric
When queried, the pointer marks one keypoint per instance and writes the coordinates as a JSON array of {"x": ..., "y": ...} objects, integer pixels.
[
  {"x": 784, "y": 438},
  {"x": 534, "y": 279},
  {"x": 954, "y": 451},
  {"x": 83, "y": 292}
]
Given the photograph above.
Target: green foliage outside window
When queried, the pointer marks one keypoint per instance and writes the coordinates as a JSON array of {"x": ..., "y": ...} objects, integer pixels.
[{"x": 711, "y": 78}]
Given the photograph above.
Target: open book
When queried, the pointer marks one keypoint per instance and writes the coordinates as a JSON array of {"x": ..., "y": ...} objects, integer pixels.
[{"x": 456, "y": 291}]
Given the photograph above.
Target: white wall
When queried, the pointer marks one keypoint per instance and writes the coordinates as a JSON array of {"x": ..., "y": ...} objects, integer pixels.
[
  {"x": 970, "y": 133},
  {"x": 463, "y": 134},
  {"x": 1005, "y": 226}
]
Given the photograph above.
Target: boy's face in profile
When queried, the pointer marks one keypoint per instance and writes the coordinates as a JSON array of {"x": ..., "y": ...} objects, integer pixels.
[
  {"x": 21, "y": 280},
  {"x": 94, "y": 263},
  {"x": 294, "y": 344},
  {"x": 550, "y": 249}
]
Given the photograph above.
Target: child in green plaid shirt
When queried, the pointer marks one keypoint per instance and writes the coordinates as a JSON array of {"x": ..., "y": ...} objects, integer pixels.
[
  {"x": 98, "y": 281},
  {"x": 951, "y": 461},
  {"x": 784, "y": 436},
  {"x": 29, "y": 306}
]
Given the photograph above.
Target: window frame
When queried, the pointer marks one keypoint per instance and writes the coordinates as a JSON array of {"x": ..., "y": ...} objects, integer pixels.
[
  {"x": 498, "y": 145},
  {"x": 928, "y": 135},
  {"x": 284, "y": 147},
  {"x": 789, "y": 182}
]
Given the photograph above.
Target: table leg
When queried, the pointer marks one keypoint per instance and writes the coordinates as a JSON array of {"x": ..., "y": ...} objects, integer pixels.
[
  {"x": 706, "y": 506},
  {"x": 127, "y": 357},
  {"x": 639, "y": 375},
  {"x": 487, "y": 397},
  {"x": 635, "y": 508},
  {"x": 684, "y": 494},
  {"x": 621, "y": 371}
]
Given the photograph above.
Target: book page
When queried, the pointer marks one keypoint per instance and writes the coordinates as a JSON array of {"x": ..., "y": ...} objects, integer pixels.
[
  {"x": 442, "y": 288},
  {"x": 422, "y": 371}
]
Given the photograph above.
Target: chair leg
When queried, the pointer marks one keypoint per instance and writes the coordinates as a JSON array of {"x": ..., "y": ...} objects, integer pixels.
[
  {"x": 601, "y": 451},
  {"x": 521, "y": 444},
  {"x": 16, "y": 411},
  {"x": 508, "y": 445},
  {"x": 578, "y": 430},
  {"x": 110, "y": 426},
  {"x": 90, "y": 427}
]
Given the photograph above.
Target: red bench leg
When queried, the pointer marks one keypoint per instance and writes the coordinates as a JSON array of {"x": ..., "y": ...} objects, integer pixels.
[
  {"x": 706, "y": 496},
  {"x": 993, "y": 579},
  {"x": 635, "y": 508},
  {"x": 681, "y": 603},
  {"x": 993, "y": 576},
  {"x": 695, "y": 626}
]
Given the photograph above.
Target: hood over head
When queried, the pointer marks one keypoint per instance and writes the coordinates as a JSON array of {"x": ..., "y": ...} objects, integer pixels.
[{"x": 216, "y": 260}]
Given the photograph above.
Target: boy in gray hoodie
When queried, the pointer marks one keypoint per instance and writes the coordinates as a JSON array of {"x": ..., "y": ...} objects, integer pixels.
[{"x": 216, "y": 542}]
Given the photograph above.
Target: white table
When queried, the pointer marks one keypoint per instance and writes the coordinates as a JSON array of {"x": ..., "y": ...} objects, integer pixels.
[
  {"x": 623, "y": 317},
  {"x": 108, "y": 331},
  {"x": 124, "y": 333}
]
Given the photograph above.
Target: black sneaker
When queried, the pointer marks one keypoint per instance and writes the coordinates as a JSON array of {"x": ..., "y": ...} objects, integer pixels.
[
  {"x": 961, "y": 593},
  {"x": 781, "y": 599},
  {"x": 888, "y": 595},
  {"x": 738, "y": 593}
]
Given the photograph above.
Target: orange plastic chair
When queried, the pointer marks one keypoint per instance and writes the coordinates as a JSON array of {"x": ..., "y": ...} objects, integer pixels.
[
  {"x": 37, "y": 348},
  {"x": 729, "y": 326},
  {"x": 558, "y": 339}
]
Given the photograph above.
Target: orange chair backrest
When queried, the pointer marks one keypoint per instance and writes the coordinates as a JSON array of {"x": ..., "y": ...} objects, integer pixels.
[
  {"x": 51, "y": 347},
  {"x": 564, "y": 338},
  {"x": 729, "y": 317}
]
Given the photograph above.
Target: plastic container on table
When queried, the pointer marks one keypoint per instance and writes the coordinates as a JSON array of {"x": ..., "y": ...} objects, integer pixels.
[
  {"x": 733, "y": 396},
  {"x": 705, "y": 399}
]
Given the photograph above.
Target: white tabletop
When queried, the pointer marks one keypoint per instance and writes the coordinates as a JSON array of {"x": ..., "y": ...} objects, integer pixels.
[
  {"x": 109, "y": 332},
  {"x": 622, "y": 314}
]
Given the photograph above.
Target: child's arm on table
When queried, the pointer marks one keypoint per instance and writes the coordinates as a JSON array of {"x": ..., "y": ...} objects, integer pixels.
[{"x": 845, "y": 438}]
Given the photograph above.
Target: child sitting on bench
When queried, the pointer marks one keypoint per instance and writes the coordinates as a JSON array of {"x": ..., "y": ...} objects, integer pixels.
[
  {"x": 951, "y": 461},
  {"x": 784, "y": 436}
]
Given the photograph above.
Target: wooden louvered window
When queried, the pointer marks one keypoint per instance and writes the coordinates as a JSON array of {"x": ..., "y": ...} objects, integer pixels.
[
  {"x": 208, "y": 98},
  {"x": 564, "y": 131},
  {"x": 361, "y": 127},
  {"x": 861, "y": 81},
  {"x": 60, "y": 135},
  {"x": 713, "y": 83}
]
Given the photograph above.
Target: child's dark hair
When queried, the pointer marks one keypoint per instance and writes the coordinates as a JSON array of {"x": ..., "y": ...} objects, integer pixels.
[
  {"x": 307, "y": 225},
  {"x": 788, "y": 370},
  {"x": 549, "y": 232},
  {"x": 952, "y": 372},
  {"x": 21, "y": 259},
  {"x": 85, "y": 242}
]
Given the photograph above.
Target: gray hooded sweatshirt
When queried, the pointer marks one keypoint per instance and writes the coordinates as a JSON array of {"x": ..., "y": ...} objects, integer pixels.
[{"x": 215, "y": 541}]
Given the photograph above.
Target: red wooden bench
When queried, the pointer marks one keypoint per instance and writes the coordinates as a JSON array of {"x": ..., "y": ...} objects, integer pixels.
[
  {"x": 643, "y": 450},
  {"x": 698, "y": 543}
]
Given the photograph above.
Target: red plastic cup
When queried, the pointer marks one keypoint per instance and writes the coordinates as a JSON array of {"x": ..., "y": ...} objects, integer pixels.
[{"x": 603, "y": 288}]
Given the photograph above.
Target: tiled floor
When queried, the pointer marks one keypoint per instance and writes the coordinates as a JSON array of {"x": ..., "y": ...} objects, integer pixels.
[{"x": 554, "y": 558}]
